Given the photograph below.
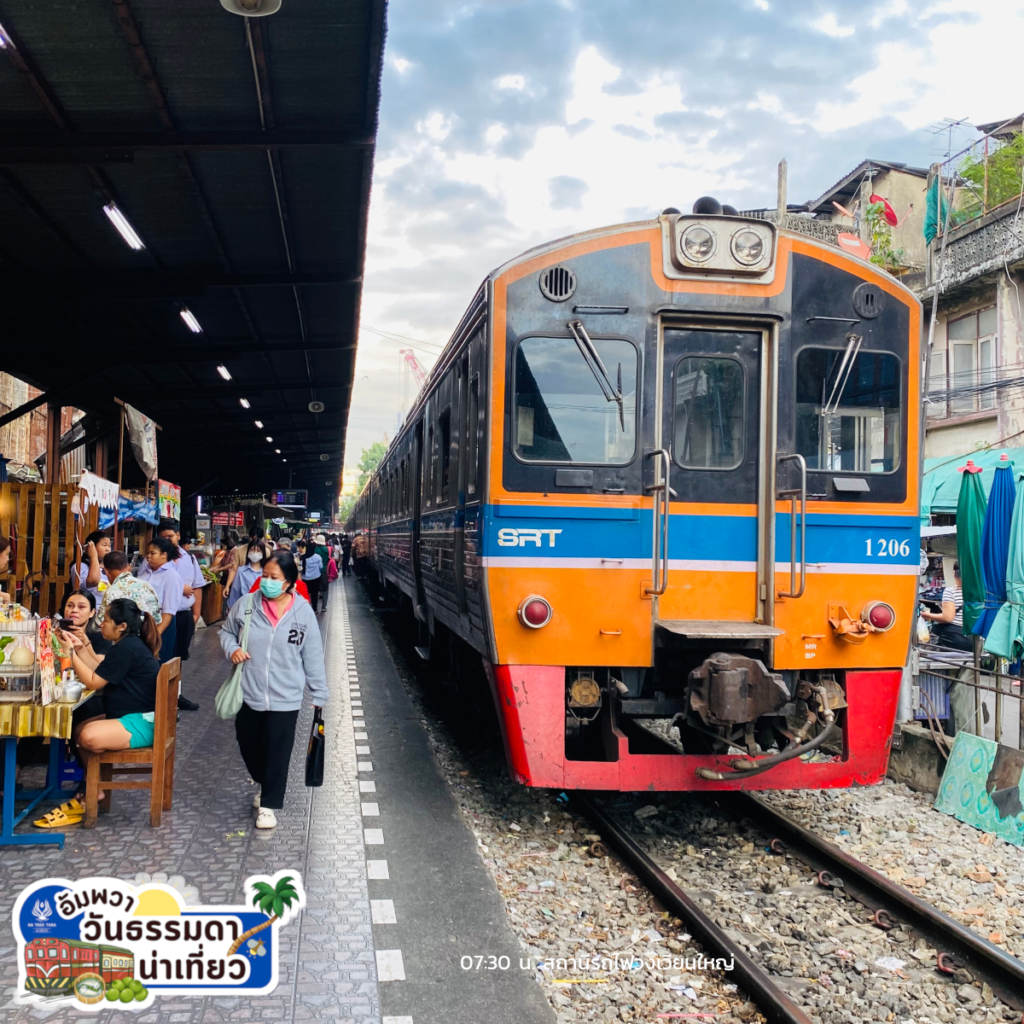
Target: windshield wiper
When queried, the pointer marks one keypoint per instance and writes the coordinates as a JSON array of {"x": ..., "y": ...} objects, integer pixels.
[
  {"x": 611, "y": 392},
  {"x": 853, "y": 343}
]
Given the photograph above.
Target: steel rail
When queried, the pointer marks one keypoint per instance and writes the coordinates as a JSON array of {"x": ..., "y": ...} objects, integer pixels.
[
  {"x": 773, "y": 1003},
  {"x": 1003, "y": 972}
]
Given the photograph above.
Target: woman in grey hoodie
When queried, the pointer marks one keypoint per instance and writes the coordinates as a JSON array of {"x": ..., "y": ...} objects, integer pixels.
[{"x": 284, "y": 656}]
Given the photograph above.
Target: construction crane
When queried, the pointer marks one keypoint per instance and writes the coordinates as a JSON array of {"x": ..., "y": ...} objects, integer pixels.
[{"x": 417, "y": 371}]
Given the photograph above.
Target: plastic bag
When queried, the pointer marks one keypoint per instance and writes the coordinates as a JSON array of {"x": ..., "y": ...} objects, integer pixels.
[
  {"x": 923, "y": 634},
  {"x": 315, "y": 751},
  {"x": 228, "y": 701}
]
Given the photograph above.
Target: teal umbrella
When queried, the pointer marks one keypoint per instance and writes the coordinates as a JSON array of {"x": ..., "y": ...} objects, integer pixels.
[
  {"x": 970, "y": 518},
  {"x": 1006, "y": 637}
]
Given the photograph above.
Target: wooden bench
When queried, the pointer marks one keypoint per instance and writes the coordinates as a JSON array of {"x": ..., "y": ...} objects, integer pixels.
[{"x": 156, "y": 761}]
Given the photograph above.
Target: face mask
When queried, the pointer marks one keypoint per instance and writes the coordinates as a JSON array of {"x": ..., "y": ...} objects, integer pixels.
[
  {"x": 271, "y": 588},
  {"x": 255, "y": 556}
]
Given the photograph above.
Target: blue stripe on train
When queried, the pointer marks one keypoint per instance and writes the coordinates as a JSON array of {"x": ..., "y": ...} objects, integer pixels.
[{"x": 840, "y": 538}]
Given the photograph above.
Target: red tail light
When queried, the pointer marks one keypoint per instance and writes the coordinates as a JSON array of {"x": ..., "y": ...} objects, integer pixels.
[
  {"x": 534, "y": 612},
  {"x": 880, "y": 615}
]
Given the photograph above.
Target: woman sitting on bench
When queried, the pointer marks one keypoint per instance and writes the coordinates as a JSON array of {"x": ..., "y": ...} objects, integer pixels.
[{"x": 126, "y": 679}]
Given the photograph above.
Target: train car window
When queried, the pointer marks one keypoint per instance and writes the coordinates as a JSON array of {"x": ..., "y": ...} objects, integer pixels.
[
  {"x": 848, "y": 422},
  {"x": 561, "y": 411},
  {"x": 428, "y": 476},
  {"x": 707, "y": 422},
  {"x": 474, "y": 435},
  {"x": 52, "y": 953},
  {"x": 444, "y": 425}
]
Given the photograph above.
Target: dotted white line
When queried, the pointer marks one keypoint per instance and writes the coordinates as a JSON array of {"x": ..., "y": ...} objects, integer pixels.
[
  {"x": 373, "y": 836},
  {"x": 383, "y": 912},
  {"x": 364, "y": 766},
  {"x": 367, "y": 786},
  {"x": 377, "y": 869},
  {"x": 390, "y": 966}
]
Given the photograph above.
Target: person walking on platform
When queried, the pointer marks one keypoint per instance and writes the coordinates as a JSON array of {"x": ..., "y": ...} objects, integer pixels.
[
  {"x": 192, "y": 582},
  {"x": 284, "y": 656},
  {"x": 361, "y": 554},
  {"x": 158, "y": 571},
  {"x": 247, "y": 577},
  {"x": 346, "y": 555},
  {"x": 325, "y": 580},
  {"x": 312, "y": 572}
]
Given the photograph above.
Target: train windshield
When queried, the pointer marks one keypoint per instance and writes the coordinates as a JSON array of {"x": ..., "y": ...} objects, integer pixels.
[
  {"x": 561, "y": 412},
  {"x": 848, "y": 421}
]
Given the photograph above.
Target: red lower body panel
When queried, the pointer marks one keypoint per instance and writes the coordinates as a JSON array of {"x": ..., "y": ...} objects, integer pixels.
[{"x": 531, "y": 708}]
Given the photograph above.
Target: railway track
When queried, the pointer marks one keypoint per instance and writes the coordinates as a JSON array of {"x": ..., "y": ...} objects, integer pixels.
[{"x": 891, "y": 904}]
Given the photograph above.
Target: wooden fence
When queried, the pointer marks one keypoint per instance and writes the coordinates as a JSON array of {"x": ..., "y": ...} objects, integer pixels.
[{"x": 41, "y": 524}]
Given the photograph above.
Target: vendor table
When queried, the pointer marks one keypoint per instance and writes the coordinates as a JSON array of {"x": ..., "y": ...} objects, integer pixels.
[{"x": 18, "y": 722}]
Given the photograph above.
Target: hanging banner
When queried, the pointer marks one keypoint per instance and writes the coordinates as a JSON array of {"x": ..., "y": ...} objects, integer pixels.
[
  {"x": 169, "y": 500},
  {"x": 100, "y": 941},
  {"x": 142, "y": 432},
  {"x": 97, "y": 490},
  {"x": 128, "y": 510}
]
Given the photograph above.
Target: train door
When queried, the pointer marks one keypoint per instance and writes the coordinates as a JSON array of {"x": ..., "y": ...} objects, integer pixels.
[
  {"x": 712, "y": 528},
  {"x": 416, "y": 462}
]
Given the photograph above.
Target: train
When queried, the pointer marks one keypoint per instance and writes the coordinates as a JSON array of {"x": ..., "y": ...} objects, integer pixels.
[
  {"x": 52, "y": 966},
  {"x": 661, "y": 493}
]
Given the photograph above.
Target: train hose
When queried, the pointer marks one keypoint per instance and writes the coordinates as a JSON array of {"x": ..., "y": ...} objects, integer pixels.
[{"x": 740, "y": 766}]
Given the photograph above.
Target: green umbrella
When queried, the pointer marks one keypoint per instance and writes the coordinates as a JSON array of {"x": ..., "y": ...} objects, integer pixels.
[
  {"x": 1006, "y": 637},
  {"x": 970, "y": 517}
]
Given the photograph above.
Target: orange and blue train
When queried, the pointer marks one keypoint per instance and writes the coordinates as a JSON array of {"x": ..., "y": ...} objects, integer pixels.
[{"x": 663, "y": 485}]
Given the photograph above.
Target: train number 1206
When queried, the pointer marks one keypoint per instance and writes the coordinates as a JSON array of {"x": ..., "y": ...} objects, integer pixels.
[{"x": 891, "y": 548}]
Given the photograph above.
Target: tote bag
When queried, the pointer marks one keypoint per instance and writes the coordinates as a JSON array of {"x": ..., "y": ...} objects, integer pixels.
[
  {"x": 315, "y": 751},
  {"x": 228, "y": 701}
]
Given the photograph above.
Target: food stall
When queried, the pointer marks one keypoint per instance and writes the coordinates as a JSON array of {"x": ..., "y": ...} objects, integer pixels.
[{"x": 37, "y": 699}]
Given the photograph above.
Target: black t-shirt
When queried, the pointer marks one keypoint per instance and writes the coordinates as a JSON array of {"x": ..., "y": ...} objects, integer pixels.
[
  {"x": 100, "y": 645},
  {"x": 130, "y": 671}
]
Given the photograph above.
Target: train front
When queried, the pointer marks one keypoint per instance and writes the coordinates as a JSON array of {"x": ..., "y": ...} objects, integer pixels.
[{"x": 701, "y": 540}]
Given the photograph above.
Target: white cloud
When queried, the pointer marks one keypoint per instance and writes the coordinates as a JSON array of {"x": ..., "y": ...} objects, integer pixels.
[
  {"x": 400, "y": 64},
  {"x": 762, "y": 4},
  {"x": 831, "y": 27},
  {"x": 495, "y": 133},
  {"x": 517, "y": 82}
]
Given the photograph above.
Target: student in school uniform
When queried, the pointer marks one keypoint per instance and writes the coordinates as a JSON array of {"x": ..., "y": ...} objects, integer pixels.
[
  {"x": 193, "y": 581},
  {"x": 92, "y": 576},
  {"x": 159, "y": 572}
]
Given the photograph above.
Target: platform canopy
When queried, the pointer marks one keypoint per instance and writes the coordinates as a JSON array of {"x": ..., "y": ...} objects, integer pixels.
[{"x": 240, "y": 151}]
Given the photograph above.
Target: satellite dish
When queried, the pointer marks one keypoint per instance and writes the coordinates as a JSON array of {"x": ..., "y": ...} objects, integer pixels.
[
  {"x": 887, "y": 211},
  {"x": 853, "y": 245},
  {"x": 251, "y": 8},
  {"x": 842, "y": 209},
  {"x": 316, "y": 406},
  {"x": 325, "y": 458}
]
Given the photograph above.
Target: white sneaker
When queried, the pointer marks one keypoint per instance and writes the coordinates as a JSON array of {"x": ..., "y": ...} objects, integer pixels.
[
  {"x": 266, "y": 818},
  {"x": 256, "y": 800}
]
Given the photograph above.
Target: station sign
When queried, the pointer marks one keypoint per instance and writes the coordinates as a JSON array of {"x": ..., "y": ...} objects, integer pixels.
[{"x": 228, "y": 518}]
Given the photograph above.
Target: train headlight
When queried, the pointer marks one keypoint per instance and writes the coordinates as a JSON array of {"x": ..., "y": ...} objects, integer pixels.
[
  {"x": 747, "y": 247},
  {"x": 698, "y": 243},
  {"x": 534, "y": 612},
  {"x": 880, "y": 615}
]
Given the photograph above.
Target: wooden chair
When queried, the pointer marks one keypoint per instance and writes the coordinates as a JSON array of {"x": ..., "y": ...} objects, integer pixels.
[{"x": 156, "y": 761}]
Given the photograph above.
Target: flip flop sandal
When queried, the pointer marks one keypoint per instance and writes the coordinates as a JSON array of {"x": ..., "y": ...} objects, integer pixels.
[
  {"x": 72, "y": 807},
  {"x": 58, "y": 819}
]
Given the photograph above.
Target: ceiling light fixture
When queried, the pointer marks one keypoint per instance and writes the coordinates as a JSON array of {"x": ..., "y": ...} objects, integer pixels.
[
  {"x": 4, "y": 38},
  {"x": 284, "y": 460},
  {"x": 277, "y": 450},
  {"x": 189, "y": 317},
  {"x": 223, "y": 371},
  {"x": 259, "y": 423},
  {"x": 124, "y": 229},
  {"x": 244, "y": 403},
  {"x": 270, "y": 440},
  {"x": 251, "y": 8}
]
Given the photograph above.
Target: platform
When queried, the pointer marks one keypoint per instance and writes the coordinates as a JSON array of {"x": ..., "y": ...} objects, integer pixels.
[{"x": 396, "y": 890}]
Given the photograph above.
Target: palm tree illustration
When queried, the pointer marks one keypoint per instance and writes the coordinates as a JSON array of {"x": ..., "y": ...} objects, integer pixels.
[{"x": 268, "y": 898}]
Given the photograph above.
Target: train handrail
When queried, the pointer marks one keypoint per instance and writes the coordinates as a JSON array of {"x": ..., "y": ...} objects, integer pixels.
[
  {"x": 792, "y": 494},
  {"x": 659, "y": 568}
]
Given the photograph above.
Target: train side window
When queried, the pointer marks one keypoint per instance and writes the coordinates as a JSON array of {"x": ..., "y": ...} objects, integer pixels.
[
  {"x": 28, "y": 954},
  {"x": 428, "y": 473},
  {"x": 707, "y": 421},
  {"x": 848, "y": 418},
  {"x": 63, "y": 954},
  {"x": 567, "y": 409},
  {"x": 445, "y": 467},
  {"x": 472, "y": 441},
  {"x": 403, "y": 498}
]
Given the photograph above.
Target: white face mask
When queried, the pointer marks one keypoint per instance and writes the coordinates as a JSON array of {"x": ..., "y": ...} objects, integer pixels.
[{"x": 255, "y": 556}]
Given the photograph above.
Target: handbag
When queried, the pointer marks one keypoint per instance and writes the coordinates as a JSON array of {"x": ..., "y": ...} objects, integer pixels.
[
  {"x": 315, "y": 751},
  {"x": 228, "y": 701}
]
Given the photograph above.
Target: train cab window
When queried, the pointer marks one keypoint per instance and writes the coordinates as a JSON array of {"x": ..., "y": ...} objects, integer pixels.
[
  {"x": 848, "y": 412},
  {"x": 445, "y": 468},
  {"x": 52, "y": 954},
  {"x": 472, "y": 439},
  {"x": 569, "y": 409},
  {"x": 708, "y": 412},
  {"x": 28, "y": 954},
  {"x": 63, "y": 954}
]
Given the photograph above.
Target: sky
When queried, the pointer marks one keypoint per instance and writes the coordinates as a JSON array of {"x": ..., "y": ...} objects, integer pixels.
[{"x": 507, "y": 123}]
